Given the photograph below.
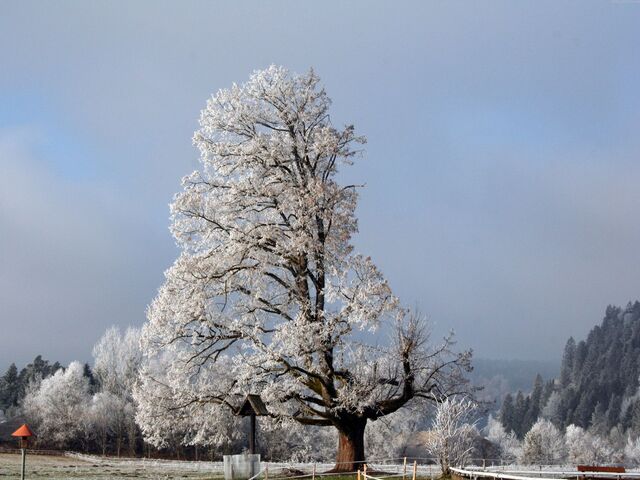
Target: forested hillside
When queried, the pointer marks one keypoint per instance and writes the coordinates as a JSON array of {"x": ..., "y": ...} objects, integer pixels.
[
  {"x": 499, "y": 377},
  {"x": 598, "y": 383}
]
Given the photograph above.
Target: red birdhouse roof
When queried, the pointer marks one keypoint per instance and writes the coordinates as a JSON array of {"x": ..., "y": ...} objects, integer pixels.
[{"x": 23, "y": 431}]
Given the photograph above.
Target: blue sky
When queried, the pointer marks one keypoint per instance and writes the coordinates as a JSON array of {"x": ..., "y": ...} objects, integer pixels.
[{"x": 502, "y": 167}]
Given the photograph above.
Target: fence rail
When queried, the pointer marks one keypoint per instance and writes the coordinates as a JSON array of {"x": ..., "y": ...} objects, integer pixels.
[
  {"x": 372, "y": 469},
  {"x": 565, "y": 473},
  {"x": 56, "y": 453},
  {"x": 505, "y": 473}
]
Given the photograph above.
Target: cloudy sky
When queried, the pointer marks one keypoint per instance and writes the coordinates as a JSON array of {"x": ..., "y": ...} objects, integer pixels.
[{"x": 502, "y": 171}]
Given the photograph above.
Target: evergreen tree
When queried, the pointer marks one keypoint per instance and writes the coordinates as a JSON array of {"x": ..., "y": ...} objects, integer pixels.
[
  {"x": 634, "y": 423},
  {"x": 521, "y": 408},
  {"x": 534, "y": 404},
  {"x": 507, "y": 413},
  {"x": 36, "y": 371},
  {"x": 614, "y": 410},
  {"x": 88, "y": 373},
  {"x": 9, "y": 388},
  {"x": 599, "y": 422},
  {"x": 549, "y": 388},
  {"x": 566, "y": 372}
]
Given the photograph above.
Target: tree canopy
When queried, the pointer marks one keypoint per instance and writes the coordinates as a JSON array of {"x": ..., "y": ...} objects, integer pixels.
[{"x": 267, "y": 295}]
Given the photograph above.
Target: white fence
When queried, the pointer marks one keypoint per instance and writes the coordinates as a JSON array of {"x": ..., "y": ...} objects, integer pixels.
[
  {"x": 543, "y": 473},
  {"x": 373, "y": 469}
]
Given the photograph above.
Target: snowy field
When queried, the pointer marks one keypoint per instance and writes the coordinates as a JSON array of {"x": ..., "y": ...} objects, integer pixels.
[
  {"x": 77, "y": 466},
  {"x": 88, "y": 467}
]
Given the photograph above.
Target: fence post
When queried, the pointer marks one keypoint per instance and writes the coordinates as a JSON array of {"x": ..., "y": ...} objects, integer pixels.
[
  {"x": 24, "y": 456},
  {"x": 358, "y": 474},
  {"x": 364, "y": 467},
  {"x": 415, "y": 469},
  {"x": 266, "y": 472},
  {"x": 313, "y": 475},
  {"x": 404, "y": 467}
]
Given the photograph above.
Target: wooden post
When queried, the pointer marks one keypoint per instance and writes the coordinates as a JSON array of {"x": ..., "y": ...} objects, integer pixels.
[
  {"x": 415, "y": 469},
  {"x": 252, "y": 435},
  {"x": 24, "y": 459},
  {"x": 266, "y": 472},
  {"x": 364, "y": 468},
  {"x": 404, "y": 467},
  {"x": 358, "y": 474},
  {"x": 313, "y": 475}
]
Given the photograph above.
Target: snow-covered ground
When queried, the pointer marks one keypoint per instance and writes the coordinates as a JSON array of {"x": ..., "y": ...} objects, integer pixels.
[{"x": 89, "y": 468}]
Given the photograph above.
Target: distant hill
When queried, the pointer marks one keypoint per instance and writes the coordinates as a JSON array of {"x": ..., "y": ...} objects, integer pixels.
[
  {"x": 597, "y": 386},
  {"x": 599, "y": 375},
  {"x": 500, "y": 377}
]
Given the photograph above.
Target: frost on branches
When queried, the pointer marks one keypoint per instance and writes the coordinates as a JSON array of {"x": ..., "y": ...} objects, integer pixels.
[
  {"x": 56, "y": 405},
  {"x": 267, "y": 295},
  {"x": 452, "y": 435},
  {"x": 543, "y": 445}
]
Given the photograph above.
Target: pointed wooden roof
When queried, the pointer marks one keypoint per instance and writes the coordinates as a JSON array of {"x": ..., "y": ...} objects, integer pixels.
[
  {"x": 253, "y": 404},
  {"x": 23, "y": 431}
]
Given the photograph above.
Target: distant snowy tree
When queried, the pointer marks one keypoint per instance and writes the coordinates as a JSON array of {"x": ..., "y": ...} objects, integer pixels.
[
  {"x": 509, "y": 445},
  {"x": 267, "y": 296},
  {"x": 543, "y": 445},
  {"x": 111, "y": 416},
  {"x": 585, "y": 447},
  {"x": 452, "y": 436},
  {"x": 57, "y": 405},
  {"x": 117, "y": 361},
  {"x": 632, "y": 451},
  {"x": 552, "y": 411},
  {"x": 599, "y": 424},
  {"x": 568, "y": 357},
  {"x": 617, "y": 441}
]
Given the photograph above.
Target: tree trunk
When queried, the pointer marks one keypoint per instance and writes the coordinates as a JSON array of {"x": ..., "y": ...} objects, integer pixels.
[
  {"x": 350, "y": 457},
  {"x": 132, "y": 436}
]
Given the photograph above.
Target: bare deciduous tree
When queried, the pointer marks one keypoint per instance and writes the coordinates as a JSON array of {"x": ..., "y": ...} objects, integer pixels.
[{"x": 451, "y": 438}]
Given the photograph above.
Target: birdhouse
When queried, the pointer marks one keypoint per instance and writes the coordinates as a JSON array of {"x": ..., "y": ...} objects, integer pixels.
[
  {"x": 24, "y": 433},
  {"x": 251, "y": 407}
]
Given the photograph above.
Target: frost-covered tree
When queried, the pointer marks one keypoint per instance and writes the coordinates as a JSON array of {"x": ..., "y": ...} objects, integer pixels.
[
  {"x": 117, "y": 358},
  {"x": 632, "y": 450},
  {"x": 57, "y": 406},
  {"x": 117, "y": 361},
  {"x": 543, "y": 445},
  {"x": 509, "y": 445},
  {"x": 111, "y": 416},
  {"x": 552, "y": 411},
  {"x": 267, "y": 295},
  {"x": 452, "y": 437},
  {"x": 585, "y": 447}
]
